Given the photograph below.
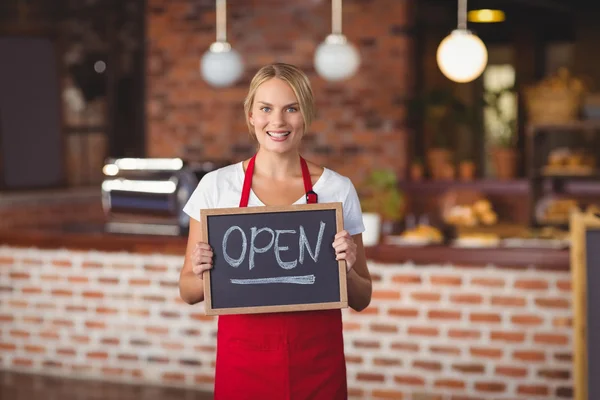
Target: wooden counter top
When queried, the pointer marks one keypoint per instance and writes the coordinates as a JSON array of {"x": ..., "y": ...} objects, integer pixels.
[{"x": 93, "y": 238}]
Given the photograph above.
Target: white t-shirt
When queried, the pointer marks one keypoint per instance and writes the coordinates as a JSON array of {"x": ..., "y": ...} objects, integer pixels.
[{"x": 222, "y": 188}]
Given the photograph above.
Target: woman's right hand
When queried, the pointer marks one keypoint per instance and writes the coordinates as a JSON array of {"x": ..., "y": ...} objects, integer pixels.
[{"x": 202, "y": 258}]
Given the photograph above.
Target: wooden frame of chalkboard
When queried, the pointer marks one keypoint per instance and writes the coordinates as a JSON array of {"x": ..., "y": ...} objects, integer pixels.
[
  {"x": 255, "y": 297},
  {"x": 585, "y": 228}
]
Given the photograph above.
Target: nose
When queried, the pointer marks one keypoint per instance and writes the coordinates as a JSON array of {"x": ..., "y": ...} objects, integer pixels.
[{"x": 277, "y": 118}]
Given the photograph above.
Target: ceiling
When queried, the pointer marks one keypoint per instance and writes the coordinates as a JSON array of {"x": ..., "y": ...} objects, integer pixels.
[{"x": 554, "y": 20}]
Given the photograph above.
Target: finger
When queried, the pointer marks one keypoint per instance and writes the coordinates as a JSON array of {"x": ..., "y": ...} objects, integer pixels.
[
  {"x": 203, "y": 246},
  {"x": 204, "y": 260},
  {"x": 341, "y": 234},
  {"x": 199, "y": 269}
]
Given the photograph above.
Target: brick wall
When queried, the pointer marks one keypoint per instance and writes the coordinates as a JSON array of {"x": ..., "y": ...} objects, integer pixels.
[
  {"x": 360, "y": 123},
  {"x": 431, "y": 332}
]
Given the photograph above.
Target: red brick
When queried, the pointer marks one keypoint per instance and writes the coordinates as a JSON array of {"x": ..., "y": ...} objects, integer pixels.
[
  {"x": 409, "y": 347},
  {"x": 387, "y": 394},
  {"x": 450, "y": 384},
  {"x": 369, "y": 377},
  {"x": 469, "y": 368},
  {"x": 155, "y": 268},
  {"x": 486, "y": 318},
  {"x": 531, "y": 356},
  {"x": 406, "y": 279},
  {"x": 444, "y": 350},
  {"x": 564, "y": 285},
  {"x": 537, "y": 390},
  {"x": 486, "y": 352},
  {"x": 403, "y": 312},
  {"x": 466, "y": 298},
  {"x": 532, "y": 284},
  {"x": 409, "y": 380},
  {"x": 78, "y": 279},
  {"x": 366, "y": 344},
  {"x": 139, "y": 282},
  {"x": 423, "y": 331},
  {"x": 426, "y": 296},
  {"x": 173, "y": 377},
  {"x": 505, "y": 336},
  {"x": 8, "y": 346},
  {"x": 446, "y": 280},
  {"x": 464, "y": 334},
  {"x": 386, "y": 295},
  {"x": 19, "y": 275},
  {"x": 491, "y": 387},
  {"x": 561, "y": 322},
  {"x": 552, "y": 303},
  {"x": 508, "y": 301},
  {"x": 444, "y": 314},
  {"x": 488, "y": 282},
  {"x": 551, "y": 339},
  {"x": 427, "y": 365},
  {"x": 384, "y": 328},
  {"x": 527, "y": 319},
  {"x": 513, "y": 372},
  {"x": 386, "y": 362}
]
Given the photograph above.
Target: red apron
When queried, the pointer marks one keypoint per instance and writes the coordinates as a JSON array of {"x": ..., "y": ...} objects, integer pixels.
[{"x": 280, "y": 356}]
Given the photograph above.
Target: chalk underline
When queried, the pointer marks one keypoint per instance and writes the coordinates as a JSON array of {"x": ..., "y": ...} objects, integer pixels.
[{"x": 298, "y": 280}]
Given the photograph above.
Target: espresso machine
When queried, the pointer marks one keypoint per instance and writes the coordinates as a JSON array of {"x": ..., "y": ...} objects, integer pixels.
[{"x": 146, "y": 195}]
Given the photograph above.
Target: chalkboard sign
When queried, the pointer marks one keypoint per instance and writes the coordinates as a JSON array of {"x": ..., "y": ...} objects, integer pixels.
[
  {"x": 585, "y": 281},
  {"x": 274, "y": 259}
]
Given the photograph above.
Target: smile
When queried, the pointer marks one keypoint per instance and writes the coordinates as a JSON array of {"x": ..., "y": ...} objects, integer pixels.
[{"x": 278, "y": 135}]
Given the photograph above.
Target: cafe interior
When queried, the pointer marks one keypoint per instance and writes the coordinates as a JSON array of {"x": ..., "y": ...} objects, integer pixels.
[{"x": 470, "y": 129}]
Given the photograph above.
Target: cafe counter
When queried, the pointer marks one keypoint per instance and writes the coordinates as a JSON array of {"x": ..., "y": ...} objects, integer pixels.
[{"x": 487, "y": 323}]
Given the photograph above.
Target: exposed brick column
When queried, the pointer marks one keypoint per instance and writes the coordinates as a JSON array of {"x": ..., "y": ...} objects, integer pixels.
[{"x": 360, "y": 123}]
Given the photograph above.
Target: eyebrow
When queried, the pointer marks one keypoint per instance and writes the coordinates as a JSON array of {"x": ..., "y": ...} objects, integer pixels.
[{"x": 271, "y": 105}]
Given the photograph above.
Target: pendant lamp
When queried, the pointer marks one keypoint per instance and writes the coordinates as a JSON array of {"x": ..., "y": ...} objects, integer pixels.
[
  {"x": 462, "y": 56},
  {"x": 336, "y": 59},
  {"x": 221, "y": 65}
]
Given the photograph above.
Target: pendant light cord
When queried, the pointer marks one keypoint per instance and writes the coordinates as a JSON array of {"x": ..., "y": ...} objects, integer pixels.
[
  {"x": 221, "y": 20},
  {"x": 336, "y": 17},
  {"x": 462, "y": 14}
]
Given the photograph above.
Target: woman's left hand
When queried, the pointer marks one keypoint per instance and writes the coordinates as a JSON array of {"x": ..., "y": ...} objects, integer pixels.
[{"x": 345, "y": 249}]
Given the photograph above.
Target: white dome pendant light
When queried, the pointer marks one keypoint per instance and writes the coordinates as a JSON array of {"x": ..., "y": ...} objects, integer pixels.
[
  {"x": 462, "y": 56},
  {"x": 335, "y": 58},
  {"x": 221, "y": 66}
]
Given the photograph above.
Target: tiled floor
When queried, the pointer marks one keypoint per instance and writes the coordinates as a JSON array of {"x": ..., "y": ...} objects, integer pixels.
[{"x": 17, "y": 386}]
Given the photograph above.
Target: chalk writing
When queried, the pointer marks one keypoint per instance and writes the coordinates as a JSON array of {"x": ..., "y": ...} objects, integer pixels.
[
  {"x": 298, "y": 280},
  {"x": 303, "y": 242},
  {"x": 231, "y": 261}
]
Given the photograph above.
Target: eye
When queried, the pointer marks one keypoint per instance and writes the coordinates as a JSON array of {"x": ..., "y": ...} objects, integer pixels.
[
  {"x": 292, "y": 109},
  {"x": 265, "y": 109}
]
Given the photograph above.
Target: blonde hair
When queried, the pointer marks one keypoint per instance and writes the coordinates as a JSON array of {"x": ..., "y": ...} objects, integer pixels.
[{"x": 294, "y": 77}]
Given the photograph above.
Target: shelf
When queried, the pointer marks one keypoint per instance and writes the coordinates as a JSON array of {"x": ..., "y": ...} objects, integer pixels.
[
  {"x": 581, "y": 177},
  {"x": 584, "y": 125}
]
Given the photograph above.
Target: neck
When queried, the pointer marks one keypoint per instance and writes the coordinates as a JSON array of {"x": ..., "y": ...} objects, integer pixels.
[{"x": 277, "y": 166}]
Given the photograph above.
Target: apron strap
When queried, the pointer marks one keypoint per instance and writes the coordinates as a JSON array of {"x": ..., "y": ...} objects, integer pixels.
[
  {"x": 247, "y": 183},
  {"x": 311, "y": 196}
]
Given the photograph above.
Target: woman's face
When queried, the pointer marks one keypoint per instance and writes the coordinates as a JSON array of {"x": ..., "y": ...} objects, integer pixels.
[{"x": 276, "y": 117}]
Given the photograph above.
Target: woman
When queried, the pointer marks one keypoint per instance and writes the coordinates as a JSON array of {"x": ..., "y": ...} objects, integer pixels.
[{"x": 294, "y": 355}]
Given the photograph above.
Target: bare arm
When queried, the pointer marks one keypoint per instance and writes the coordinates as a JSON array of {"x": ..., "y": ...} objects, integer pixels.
[
  {"x": 198, "y": 258},
  {"x": 351, "y": 249}
]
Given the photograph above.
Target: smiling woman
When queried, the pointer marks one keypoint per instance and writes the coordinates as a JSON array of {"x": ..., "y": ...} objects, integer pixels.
[{"x": 308, "y": 363}]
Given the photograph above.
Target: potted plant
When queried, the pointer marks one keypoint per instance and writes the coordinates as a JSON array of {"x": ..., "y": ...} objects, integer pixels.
[
  {"x": 416, "y": 170},
  {"x": 444, "y": 115},
  {"x": 466, "y": 169},
  {"x": 382, "y": 204},
  {"x": 503, "y": 152}
]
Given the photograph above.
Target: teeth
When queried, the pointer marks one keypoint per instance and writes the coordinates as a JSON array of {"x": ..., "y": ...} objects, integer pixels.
[{"x": 278, "y": 135}]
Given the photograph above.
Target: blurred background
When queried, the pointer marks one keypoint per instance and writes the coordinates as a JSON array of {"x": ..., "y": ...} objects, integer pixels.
[{"x": 111, "y": 111}]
